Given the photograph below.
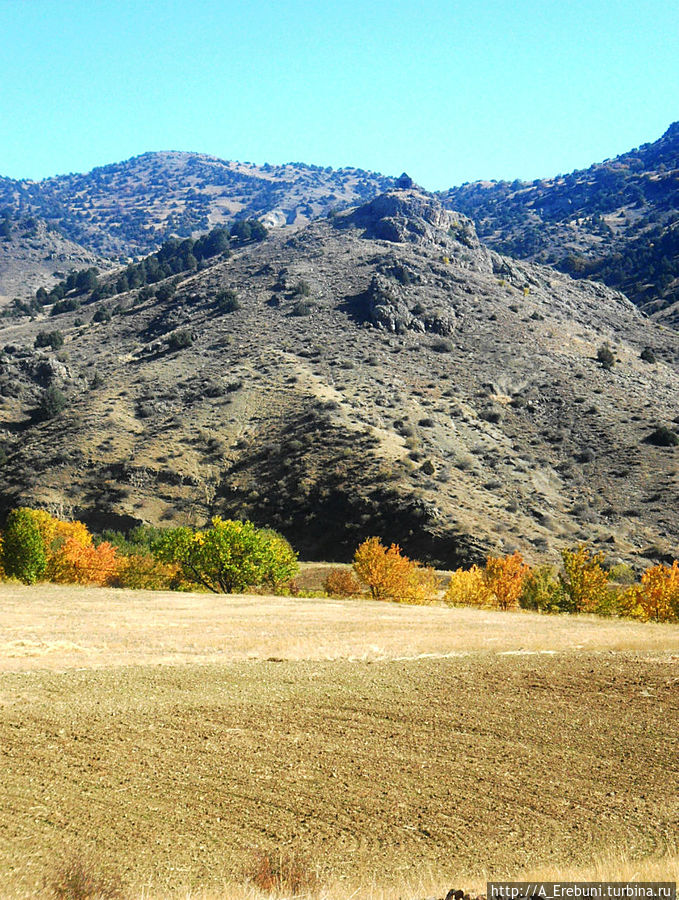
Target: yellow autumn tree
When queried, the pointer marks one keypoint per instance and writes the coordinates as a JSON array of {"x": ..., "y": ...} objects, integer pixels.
[
  {"x": 584, "y": 580},
  {"x": 505, "y": 577},
  {"x": 658, "y": 596},
  {"x": 390, "y": 575},
  {"x": 468, "y": 587}
]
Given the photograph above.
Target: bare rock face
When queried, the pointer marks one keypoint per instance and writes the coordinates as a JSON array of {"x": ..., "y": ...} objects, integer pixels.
[
  {"x": 388, "y": 308},
  {"x": 410, "y": 216}
]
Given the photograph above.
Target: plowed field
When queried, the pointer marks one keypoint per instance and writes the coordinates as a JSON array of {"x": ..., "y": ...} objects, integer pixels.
[{"x": 466, "y": 761}]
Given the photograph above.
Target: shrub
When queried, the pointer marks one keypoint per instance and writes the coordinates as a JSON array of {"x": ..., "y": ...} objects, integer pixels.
[
  {"x": 605, "y": 356},
  {"x": 178, "y": 340},
  {"x": 303, "y": 308},
  {"x": 302, "y": 289},
  {"x": 341, "y": 583},
  {"x": 53, "y": 339},
  {"x": 230, "y": 556},
  {"x": 663, "y": 437},
  {"x": 647, "y": 355},
  {"x": 584, "y": 581},
  {"x": 227, "y": 301},
  {"x": 392, "y": 576},
  {"x": 468, "y": 587},
  {"x": 52, "y": 403},
  {"x": 23, "y": 551},
  {"x": 286, "y": 873},
  {"x": 505, "y": 577}
]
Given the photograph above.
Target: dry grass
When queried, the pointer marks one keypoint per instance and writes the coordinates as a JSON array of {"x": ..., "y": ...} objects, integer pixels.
[{"x": 55, "y": 627}]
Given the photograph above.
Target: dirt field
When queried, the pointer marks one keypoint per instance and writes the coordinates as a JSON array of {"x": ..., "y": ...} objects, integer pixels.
[{"x": 173, "y": 735}]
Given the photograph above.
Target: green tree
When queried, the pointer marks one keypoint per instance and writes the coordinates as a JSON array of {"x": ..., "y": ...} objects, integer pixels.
[
  {"x": 23, "y": 552},
  {"x": 230, "y": 556}
]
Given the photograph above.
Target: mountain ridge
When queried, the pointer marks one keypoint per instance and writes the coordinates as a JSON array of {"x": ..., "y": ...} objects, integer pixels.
[{"x": 378, "y": 371}]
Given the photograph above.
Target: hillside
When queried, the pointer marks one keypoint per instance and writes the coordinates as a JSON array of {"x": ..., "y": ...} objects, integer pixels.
[
  {"x": 375, "y": 372},
  {"x": 34, "y": 255},
  {"x": 129, "y": 208},
  {"x": 616, "y": 222}
]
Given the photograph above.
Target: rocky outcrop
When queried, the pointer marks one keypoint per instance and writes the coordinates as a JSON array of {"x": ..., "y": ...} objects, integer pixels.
[{"x": 410, "y": 216}]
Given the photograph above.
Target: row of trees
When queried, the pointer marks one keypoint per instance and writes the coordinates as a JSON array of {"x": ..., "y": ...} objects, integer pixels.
[
  {"x": 582, "y": 585},
  {"x": 175, "y": 256},
  {"x": 227, "y": 556},
  {"x": 233, "y": 556}
]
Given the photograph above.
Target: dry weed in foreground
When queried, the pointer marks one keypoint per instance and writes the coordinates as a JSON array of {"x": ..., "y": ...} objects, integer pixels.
[
  {"x": 82, "y": 877},
  {"x": 283, "y": 873}
]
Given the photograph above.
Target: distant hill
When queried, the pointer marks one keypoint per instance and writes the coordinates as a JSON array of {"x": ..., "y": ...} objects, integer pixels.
[
  {"x": 375, "y": 372},
  {"x": 616, "y": 222},
  {"x": 130, "y": 208}
]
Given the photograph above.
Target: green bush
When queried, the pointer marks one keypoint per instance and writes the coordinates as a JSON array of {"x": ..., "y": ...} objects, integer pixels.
[
  {"x": 178, "y": 340},
  {"x": 53, "y": 339},
  {"x": 23, "y": 552},
  {"x": 52, "y": 403}
]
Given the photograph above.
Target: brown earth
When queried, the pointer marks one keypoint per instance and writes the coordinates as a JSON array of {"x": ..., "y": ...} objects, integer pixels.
[{"x": 488, "y": 761}]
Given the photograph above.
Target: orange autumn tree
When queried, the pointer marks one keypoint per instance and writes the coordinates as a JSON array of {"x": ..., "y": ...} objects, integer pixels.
[
  {"x": 392, "y": 576},
  {"x": 505, "y": 576},
  {"x": 71, "y": 557}
]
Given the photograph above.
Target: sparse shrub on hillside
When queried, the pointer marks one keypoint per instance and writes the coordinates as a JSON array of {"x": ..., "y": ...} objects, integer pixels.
[
  {"x": 390, "y": 575},
  {"x": 229, "y": 556},
  {"x": 102, "y": 314},
  {"x": 166, "y": 291},
  {"x": 605, "y": 356},
  {"x": 179, "y": 340},
  {"x": 647, "y": 355},
  {"x": 663, "y": 437},
  {"x": 303, "y": 308},
  {"x": 468, "y": 587},
  {"x": 53, "y": 339},
  {"x": 341, "y": 583},
  {"x": 302, "y": 289},
  {"x": 227, "y": 301},
  {"x": 505, "y": 577},
  {"x": 51, "y": 404},
  {"x": 584, "y": 581}
]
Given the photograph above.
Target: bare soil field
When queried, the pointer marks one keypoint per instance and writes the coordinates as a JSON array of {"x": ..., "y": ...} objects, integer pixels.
[{"x": 174, "y": 735}]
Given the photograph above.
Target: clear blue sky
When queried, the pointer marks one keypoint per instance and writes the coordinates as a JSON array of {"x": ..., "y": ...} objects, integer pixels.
[{"x": 448, "y": 91}]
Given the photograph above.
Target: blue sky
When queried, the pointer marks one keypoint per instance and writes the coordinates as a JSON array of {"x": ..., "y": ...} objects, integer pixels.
[{"x": 448, "y": 91}]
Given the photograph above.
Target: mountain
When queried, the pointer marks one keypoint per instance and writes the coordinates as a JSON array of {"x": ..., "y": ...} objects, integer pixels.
[
  {"x": 378, "y": 371},
  {"x": 616, "y": 222},
  {"x": 130, "y": 208}
]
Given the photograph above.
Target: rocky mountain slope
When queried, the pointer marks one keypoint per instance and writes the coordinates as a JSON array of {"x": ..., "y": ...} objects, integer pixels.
[
  {"x": 33, "y": 255},
  {"x": 616, "y": 222},
  {"x": 378, "y": 371},
  {"x": 129, "y": 208}
]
